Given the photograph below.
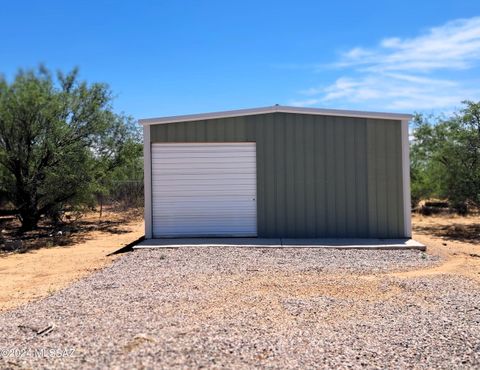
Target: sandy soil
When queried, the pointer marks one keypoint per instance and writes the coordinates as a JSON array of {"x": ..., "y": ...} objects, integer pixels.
[{"x": 36, "y": 274}]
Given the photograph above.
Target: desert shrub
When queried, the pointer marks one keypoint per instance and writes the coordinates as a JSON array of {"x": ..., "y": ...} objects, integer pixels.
[{"x": 59, "y": 142}]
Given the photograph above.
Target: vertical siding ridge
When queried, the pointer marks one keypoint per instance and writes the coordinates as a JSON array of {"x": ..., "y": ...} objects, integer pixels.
[
  {"x": 355, "y": 169},
  {"x": 399, "y": 182},
  {"x": 304, "y": 124},
  {"x": 367, "y": 169},
  {"x": 275, "y": 172},
  {"x": 377, "y": 175},
  {"x": 279, "y": 164},
  {"x": 335, "y": 175},
  {"x": 366, "y": 194},
  {"x": 371, "y": 155},
  {"x": 284, "y": 180},
  {"x": 315, "y": 170},
  {"x": 345, "y": 173},
  {"x": 375, "y": 157},
  {"x": 325, "y": 185},
  {"x": 295, "y": 203},
  {"x": 387, "y": 195}
]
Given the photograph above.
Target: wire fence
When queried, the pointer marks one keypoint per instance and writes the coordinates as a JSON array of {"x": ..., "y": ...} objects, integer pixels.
[{"x": 124, "y": 193}]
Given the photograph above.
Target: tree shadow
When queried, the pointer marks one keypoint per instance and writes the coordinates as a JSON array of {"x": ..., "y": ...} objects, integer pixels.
[
  {"x": 66, "y": 234},
  {"x": 107, "y": 226},
  {"x": 468, "y": 233}
]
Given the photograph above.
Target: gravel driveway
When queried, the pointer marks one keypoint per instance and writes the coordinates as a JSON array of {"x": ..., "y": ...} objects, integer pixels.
[{"x": 244, "y": 308}]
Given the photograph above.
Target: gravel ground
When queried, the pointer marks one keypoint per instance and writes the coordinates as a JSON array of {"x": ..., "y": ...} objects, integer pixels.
[{"x": 244, "y": 308}]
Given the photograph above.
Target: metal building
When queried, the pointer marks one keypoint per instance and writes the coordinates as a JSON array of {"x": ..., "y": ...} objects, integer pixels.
[{"x": 278, "y": 172}]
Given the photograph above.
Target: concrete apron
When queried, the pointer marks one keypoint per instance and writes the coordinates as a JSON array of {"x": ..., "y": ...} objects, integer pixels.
[{"x": 386, "y": 244}]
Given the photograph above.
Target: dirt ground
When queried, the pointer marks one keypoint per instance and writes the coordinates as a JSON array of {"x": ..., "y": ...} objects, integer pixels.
[
  {"x": 42, "y": 271},
  {"x": 29, "y": 276},
  {"x": 243, "y": 308},
  {"x": 456, "y": 239},
  {"x": 216, "y": 307}
]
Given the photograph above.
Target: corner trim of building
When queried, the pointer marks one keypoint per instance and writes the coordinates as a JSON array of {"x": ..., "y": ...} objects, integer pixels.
[
  {"x": 407, "y": 211},
  {"x": 147, "y": 173}
]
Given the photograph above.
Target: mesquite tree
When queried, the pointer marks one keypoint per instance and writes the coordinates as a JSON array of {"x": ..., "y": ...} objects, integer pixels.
[
  {"x": 445, "y": 156},
  {"x": 59, "y": 137}
]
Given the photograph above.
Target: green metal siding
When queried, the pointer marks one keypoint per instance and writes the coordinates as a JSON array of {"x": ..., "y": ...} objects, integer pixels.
[{"x": 317, "y": 176}]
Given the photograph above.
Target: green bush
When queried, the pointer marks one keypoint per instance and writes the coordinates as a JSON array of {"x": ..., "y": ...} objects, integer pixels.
[
  {"x": 445, "y": 157},
  {"x": 59, "y": 142}
]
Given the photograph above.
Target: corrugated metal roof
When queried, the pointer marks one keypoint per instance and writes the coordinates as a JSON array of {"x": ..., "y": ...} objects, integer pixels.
[{"x": 273, "y": 109}]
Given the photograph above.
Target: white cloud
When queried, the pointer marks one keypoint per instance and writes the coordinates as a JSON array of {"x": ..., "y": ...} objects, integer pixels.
[
  {"x": 407, "y": 73},
  {"x": 391, "y": 91},
  {"x": 455, "y": 45}
]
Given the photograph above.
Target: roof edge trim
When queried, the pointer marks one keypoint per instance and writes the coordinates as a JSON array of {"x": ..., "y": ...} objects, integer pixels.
[{"x": 273, "y": 109}]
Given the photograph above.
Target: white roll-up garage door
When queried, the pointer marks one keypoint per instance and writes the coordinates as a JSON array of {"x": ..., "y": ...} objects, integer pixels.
[{"x": 204, "y": 189}]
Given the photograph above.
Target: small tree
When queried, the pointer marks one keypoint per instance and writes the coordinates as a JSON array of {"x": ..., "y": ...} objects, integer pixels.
[
  {"x": 58, "y": 138},
  {"x": 426, "y": 171},
  {"x": 460, "y": 155},
  {"x": 446, "y": 156}
]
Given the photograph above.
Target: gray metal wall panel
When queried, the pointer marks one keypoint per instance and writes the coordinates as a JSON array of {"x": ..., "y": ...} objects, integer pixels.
[
  {"x": 330, "y": 203},
  {"x": 280, "y": 165},
  {"x": 361, "y": 197},
  {"x": 351, "y": 185},
  {"x": 320, "y": 163},
  {"x": 309, "y": 194},
  {"x": 317, "y": 176}
]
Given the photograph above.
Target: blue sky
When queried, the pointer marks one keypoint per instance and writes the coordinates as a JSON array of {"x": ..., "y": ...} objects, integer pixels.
[{"x": 178, "y": 57}]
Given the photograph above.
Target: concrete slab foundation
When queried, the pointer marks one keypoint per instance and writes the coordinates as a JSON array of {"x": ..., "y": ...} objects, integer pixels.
[{"x": 285, "y": 243}]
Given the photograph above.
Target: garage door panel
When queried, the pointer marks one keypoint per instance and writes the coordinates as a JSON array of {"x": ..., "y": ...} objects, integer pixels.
[
  {"x": 194, "y": 172},
  {"x": 198, "y": 231},
  {"x": 173, "y": 183},
  {"x": 235, "y": 177},
  {"x": 165, "y": 208},
  {"x": 204, "y": 189},
  {"x": 201, "y": 179},
  {"x": 201, "y": 185},
  {"x": 213, "y": 163},
  {"x": 219, "y": 200},
  {"x": 214, "y": 214},
  {"x": 203, "y": 147},
  {"x": 188, "y": 213},
  {"x": 201, "y": 159},
  {"x": 203, "y": 208},
  {"x": 192, "y": 191},
  {"x": 206, "y": 168},
  {"x": 234, "y": 221}
]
